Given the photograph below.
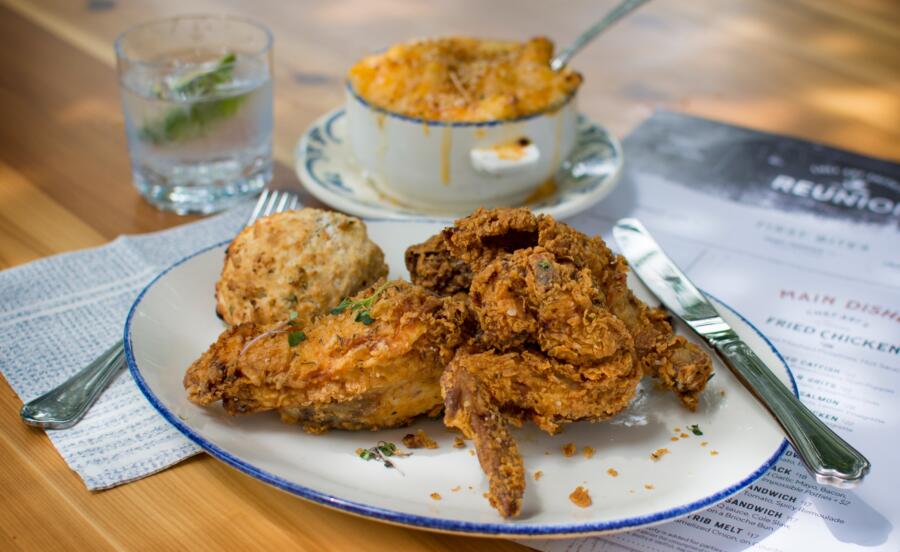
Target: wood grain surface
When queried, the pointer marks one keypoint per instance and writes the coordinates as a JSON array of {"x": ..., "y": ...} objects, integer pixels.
[{"x": 824, "y": 70}]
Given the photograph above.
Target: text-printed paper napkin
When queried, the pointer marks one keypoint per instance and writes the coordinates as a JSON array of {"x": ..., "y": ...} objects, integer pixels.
[{"x": 59, "y": 313}]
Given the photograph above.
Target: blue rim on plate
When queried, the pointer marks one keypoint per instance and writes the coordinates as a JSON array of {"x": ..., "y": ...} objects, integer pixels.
[{"x": 426, "y": 522}]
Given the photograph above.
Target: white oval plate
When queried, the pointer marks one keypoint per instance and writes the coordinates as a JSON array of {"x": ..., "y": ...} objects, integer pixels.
[
  {"x": 326, "y": 168},
  {"x": 173, "y": 321}
]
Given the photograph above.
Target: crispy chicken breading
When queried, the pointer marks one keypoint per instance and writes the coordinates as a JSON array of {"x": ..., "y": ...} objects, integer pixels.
[
  {"x": 568, "y": 359},
  {"x": 511, "y": 317},
  {"x": 346, "y": 373},
  {"x": 431, "y": 266},
  {"x": 478, "y": 239},
  {"x": 560, "y": 336}
]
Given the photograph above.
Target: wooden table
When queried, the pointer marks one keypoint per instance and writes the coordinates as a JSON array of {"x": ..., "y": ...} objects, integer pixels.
[{"x": 821, "y": 70}]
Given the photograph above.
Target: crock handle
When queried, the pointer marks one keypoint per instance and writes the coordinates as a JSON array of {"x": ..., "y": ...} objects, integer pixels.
[{"x": 504, "y": 160}]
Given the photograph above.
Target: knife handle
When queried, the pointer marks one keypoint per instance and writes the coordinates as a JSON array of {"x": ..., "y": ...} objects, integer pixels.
[{"x": 830, "y": 459}]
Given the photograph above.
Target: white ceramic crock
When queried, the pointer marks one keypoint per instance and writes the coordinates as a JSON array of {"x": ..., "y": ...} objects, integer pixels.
[{"x": 459, "y": 166}]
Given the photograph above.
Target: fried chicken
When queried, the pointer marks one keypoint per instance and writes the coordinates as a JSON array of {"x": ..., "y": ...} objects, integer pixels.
[
  {"x": 560, "y": 336},
  {"x": 431, "y": 266},
  {"x": 376, "y": 364},
  {"x": 474, "y": 241},
  {"x": 568, "y": 359}
]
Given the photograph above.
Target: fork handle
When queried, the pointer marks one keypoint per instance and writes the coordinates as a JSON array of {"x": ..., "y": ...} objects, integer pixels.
[{"x": 63, "y": 406}]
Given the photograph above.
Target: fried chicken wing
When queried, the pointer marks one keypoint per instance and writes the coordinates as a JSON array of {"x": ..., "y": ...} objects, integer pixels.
[
  {"x": 485, "y": 391},
  {"x": 559, "y": 337},
  {"x": 527, "y": 297},
  {"x": 431, "y": 266},
  {"x": 484, "y": 235},
  {"x": 376, "y": 364},
  {"x": 470, "y": 408},
  {"x": 551, "y": 353}
]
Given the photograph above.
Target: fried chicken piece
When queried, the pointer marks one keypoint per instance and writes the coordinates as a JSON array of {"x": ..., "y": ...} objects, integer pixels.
[
  {"x": 560, "y": 338},
  {"x": 551, "y": 353},
  {"x": 486, "y": 234},
  {"x": 527, "y": 297},
  {"x": 480, "y": 237},
  {"x": 431, "y": 266},
  {"x": 470, "y": 408},
  {"x": 371, "y": 366},
  {"x": 483, "y": 392},
  {"x": 303, "y": 261}
]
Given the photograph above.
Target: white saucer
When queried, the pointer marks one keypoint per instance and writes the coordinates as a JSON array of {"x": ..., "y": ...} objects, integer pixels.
[{"x": 326, "y": 168}]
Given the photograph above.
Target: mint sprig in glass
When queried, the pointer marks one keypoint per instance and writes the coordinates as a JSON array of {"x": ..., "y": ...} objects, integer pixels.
[
  {"x": 197, "y": 97},
  {"x": 200, "y": 116}
]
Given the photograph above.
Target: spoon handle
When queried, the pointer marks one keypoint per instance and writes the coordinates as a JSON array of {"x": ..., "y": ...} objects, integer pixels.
[{"x": 561, "y": 59}]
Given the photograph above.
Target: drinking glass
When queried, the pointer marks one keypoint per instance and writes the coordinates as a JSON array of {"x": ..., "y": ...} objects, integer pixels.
[{"x": 197, "y": 97}]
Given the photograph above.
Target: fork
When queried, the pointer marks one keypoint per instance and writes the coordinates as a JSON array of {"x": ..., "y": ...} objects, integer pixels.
[{"x": 64, "y": 406}]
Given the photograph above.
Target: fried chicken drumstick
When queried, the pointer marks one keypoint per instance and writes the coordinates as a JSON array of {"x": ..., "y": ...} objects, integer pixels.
[
  {"x": 560, "y": 336},
  {"x": 368, "y": 367}
]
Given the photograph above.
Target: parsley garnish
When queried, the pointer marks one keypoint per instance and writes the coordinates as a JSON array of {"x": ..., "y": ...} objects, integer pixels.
[
  {"x": 342, "y": 306},
  {"x": 695, "y": 429},
  {"x": 293, "y": 316},
  {"x": 361, "y": 305},
  {"x": 364, "y": 317},
  {"x": 294, "y": 338},
  {"x": 544, "y": 264},
  {"x": 381, "y": 452}
]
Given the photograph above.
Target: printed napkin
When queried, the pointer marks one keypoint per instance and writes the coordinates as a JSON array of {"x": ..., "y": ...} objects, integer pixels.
[{"x": 59, "y": 313}]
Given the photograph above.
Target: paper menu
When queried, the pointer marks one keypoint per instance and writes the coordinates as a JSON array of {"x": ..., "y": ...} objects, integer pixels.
[{"x": 804, "y": 241}]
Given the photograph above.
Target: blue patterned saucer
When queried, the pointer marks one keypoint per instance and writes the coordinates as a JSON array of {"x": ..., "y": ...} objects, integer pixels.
[{"x": 326, "y": 168}]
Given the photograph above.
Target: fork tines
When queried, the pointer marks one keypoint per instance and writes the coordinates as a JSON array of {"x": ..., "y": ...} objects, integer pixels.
[{"x": 273, "y": 201}]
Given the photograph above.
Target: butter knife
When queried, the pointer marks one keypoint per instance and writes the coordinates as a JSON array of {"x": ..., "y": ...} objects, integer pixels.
[{"x": 830, "y": 459}]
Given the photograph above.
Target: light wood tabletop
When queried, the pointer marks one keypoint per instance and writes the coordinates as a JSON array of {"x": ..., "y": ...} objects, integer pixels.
[{"x": 827, "y": 71}]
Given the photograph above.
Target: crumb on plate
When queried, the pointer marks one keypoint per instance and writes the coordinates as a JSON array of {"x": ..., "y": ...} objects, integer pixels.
[
  {"x": 648, "y": 486},
  {"x": 704, "y": 443},
  {"x": 588, "y": 452},
  {"x": 580, "y": 497},
  {"x": 569, "y": 450},
  {"x": 684, "y": 435},
  {"x": 435, "y": 496},
  {"x": 658, "y": 453},
  {"x": 419, "y": 440},
  {"x": 538, "y": 474},
  {"x": 612, "y": 472},
  {"x": 471, "y": 452},
  {"x": 455, "y": 489},
  {"x": 673, "y": 439},
  {"x": 458, "y": 442},
  {"x": 713, "y": 452}
]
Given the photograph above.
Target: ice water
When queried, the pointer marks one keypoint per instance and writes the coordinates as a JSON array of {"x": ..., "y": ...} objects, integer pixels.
[{"x": 199, "y": 129}]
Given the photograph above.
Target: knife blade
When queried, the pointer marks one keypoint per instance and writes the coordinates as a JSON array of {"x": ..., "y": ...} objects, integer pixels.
[{"x": 830, "y": 459}]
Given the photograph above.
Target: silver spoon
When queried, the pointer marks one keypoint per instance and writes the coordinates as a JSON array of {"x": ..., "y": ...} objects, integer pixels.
[{"x": 561, "y": 59}]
